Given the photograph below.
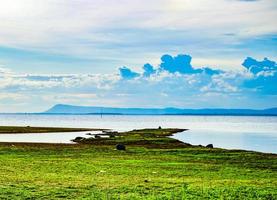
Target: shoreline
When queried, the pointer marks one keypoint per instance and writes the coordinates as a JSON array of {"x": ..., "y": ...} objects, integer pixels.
[{"x": 171, "y": 143}]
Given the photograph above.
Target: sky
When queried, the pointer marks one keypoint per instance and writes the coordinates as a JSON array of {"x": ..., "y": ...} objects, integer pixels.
[{"x": 154, "y": 53}]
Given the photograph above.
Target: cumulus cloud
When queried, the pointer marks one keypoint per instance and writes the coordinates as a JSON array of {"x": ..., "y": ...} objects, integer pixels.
[
  {"x": 174, "y": 74},
  {"x": 148, "y": 70},
  {"x": 127, "y": 73},
  {"x": 182, "y": 64},
  {"x": 259, "y": 77},
  {"x": 172, "y": 64},
  {"x": 264, "y": 75},
  {"x": 173, "y": 82},
  {"x": 256, "y": 67}
]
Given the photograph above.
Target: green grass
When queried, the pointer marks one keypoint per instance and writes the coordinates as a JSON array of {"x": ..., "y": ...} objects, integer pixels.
[
  {"x": 150, "y": 138},
  {"x": 29, "y": 129},
  {"x": 87, "y": 171}
]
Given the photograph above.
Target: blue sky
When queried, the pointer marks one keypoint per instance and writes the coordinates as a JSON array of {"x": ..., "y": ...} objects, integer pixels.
[{"x": 154, "y": 53}]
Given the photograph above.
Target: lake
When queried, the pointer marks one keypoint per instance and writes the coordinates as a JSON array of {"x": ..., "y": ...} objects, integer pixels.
[
  {"x": 258, "y": 133},
  {"x": 59, "y": 137}
]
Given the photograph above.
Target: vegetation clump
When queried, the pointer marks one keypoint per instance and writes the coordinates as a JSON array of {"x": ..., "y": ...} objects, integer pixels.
[{"x": 150, "y": 138}]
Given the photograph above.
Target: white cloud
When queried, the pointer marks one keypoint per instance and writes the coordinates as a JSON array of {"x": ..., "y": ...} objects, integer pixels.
[
  {"x": 97, "y": 28},
  {"x": 13, "y": 97},
  {"x": 4, "y": 71},
  {"x": 159, "y": 90}
]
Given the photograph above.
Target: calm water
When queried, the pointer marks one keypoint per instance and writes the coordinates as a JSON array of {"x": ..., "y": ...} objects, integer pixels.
[
  {"x": 60, "y": 137},
  {"x": 233, "y": 132}
]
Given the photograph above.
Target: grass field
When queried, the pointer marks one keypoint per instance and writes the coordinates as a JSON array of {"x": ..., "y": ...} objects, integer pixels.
[{"x": 143, "y": 171}]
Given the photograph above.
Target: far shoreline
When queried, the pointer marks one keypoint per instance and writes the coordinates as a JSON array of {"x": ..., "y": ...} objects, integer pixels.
[{"x": 120, "y": 114}]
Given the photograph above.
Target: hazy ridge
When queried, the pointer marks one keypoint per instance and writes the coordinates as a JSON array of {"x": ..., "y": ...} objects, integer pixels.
[{"x": 70, "y": 109}]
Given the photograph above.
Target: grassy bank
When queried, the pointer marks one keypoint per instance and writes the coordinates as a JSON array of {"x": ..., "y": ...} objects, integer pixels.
[
  {"x": 29, "y": 129},
  {"x": 143, "y": 171}
]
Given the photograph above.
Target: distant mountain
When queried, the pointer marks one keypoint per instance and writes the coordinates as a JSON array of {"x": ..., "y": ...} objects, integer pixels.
[{"x": 69, "y": 109}]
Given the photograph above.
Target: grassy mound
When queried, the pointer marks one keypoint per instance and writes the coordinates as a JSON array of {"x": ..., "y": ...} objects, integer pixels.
[{"x": 150, "y": 138}]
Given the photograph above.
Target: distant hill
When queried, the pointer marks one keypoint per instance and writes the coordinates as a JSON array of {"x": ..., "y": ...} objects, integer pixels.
[{"x": 69, "y": 109}]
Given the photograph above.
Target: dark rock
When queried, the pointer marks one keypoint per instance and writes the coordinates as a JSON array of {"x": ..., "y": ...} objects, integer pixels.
[
  {"x": 88, "y": 134},
  {"x": 120, "y": 147},
  {"x": 210, "y": 146},
  {"x": 78, "y": 139},
  {"x": 97, "y": 136}
]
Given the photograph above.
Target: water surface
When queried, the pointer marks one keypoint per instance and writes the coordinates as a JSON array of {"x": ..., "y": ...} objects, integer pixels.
[
  {"x": 257, "y": 141},
  {"x": 59, "y": 137},
  {"x": 257, "y": 133}
]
